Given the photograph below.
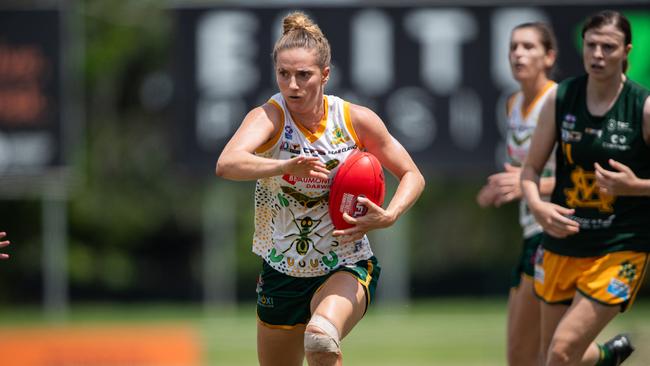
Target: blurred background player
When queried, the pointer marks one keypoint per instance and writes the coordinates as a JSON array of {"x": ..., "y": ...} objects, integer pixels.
[
  {"x": 596, "y": 251},
  {"x": 532, "y": 56},
  {"x": 4, "y": 243},
  {"x": 316, "y": 282}
]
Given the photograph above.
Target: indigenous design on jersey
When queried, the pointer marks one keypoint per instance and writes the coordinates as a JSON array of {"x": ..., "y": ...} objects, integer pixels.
[
  {"x": 521, "y": 125},
  {"x": 293, "y": 230},
  {"x": 607, "y": 224}
]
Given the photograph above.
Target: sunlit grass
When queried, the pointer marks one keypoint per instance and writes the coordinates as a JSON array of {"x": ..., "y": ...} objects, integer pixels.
[{"x": 453, "y": 332}]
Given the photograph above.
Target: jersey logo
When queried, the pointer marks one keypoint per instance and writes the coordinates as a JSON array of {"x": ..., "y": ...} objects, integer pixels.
[
  {"x": 288, "y": 133},
  {"x": 338, "y": 137},
  {"x": 619, "y": 289},
  {"x": 331, "y": 164},
  {"x": 585, "y": 192},
  {"x": 571, "y": 136},
  {"x": 627, "y": 271},
  {"x": 292, "y": 148}
]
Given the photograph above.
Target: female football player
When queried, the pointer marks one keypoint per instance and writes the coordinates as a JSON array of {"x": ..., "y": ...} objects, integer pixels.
[
  {"x": 532, "y": 55},
  {"x": 597, "y": 224},
  {"x": 316, "y": 282}
]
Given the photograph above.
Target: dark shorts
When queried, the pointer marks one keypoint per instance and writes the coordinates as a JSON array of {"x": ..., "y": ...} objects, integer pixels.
[
  {"x": 284, "y": 301},
  {"x": 526, "y": 264}
]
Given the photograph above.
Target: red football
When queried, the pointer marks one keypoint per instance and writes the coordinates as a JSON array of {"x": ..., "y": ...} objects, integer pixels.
[{"x": 360, "y": 175}]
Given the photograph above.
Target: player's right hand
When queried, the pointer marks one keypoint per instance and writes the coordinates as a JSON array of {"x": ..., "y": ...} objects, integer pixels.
[
  {"x": 305, "y": 167},
  {"x": 553, "y": 219}
]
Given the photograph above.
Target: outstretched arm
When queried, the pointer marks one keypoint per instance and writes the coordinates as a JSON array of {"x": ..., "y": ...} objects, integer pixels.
[
  {"x": 239, "y": 162},
  {"x": 505, "y": 187}
]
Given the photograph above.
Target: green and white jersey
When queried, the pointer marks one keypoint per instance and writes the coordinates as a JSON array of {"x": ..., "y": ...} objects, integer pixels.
[
  {"x": 293, "y": 229},
  {"x": 521, "y": 125},
  {"x": 607, "y": 223}
]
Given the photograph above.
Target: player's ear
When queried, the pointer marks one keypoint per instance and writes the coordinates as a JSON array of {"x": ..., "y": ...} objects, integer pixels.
[
  {"x": 325, "y": 75},
  {"x": 549, "y": 60}
]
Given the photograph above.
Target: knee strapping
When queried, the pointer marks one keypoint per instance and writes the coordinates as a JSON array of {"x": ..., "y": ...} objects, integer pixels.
[{"x": 316, "y": 342}]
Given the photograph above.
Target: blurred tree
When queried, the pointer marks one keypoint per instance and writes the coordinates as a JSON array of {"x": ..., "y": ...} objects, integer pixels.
[
  {"x": 135, "y": 222},
  {"x": 130, "y": 222}
]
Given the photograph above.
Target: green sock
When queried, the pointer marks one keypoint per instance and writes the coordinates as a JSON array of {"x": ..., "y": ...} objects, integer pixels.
[{"x": 606, "y": 358}]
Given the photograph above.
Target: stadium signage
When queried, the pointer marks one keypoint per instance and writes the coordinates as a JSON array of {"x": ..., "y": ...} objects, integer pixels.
[
  {"x": 438, "y": 76},
  {"x": 30, "y": 122}
]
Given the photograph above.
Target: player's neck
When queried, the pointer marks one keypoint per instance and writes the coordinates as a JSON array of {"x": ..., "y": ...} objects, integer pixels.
[
  {"x": 532, "y": 88},
  {"x": 605, "y": 90},
  {"x": 310, "y": 119},
  {"x": 603, "y": 93}
]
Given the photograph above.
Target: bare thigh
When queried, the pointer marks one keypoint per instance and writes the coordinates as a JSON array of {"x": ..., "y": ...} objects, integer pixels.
[
  {"x": 551, "y": 314},
  {"x": 523, "y": 325},
  {"x": 280, "y": 347},
  {"x": 342, "y": 300},
  {"x": 577, "y": 328}
]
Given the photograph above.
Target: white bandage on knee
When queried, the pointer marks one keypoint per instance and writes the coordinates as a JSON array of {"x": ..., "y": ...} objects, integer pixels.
[{"x": 316, "y": 342}]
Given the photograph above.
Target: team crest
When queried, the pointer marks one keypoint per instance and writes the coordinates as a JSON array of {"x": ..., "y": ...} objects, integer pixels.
[
  {"x": 338, "y": 137},
  {"x": 585, "y": 192}
]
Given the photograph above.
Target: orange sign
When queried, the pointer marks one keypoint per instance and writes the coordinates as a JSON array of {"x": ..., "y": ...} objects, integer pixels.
[
  {"x": 22, "y": 81},
  {"x": 100, "y": 345}
]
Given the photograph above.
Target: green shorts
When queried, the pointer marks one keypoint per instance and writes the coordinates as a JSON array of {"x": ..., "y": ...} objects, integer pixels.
[
  {"x": 526, "y": 263},
  {"x": 284, "y": 301}
]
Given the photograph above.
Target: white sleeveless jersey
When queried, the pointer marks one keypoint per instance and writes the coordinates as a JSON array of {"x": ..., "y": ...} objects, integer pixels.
[
  {"x": 521, "y": 125},
  {"x": 293, "y": 229}
]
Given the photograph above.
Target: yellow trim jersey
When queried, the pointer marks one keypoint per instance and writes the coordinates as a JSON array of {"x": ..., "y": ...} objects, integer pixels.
[
  {"x": 607, "y": 223},
  {"x": 521, "y": 125},
  {"x": 293, "y": 229}
]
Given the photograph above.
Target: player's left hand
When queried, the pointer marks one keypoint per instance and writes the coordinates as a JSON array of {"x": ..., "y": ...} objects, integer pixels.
[
  {"x": 622, "y": 182},
  {"x": 375, "y": 218},
  {"x": 506, "y": 184},
  {"x": 487, "y": 196}
]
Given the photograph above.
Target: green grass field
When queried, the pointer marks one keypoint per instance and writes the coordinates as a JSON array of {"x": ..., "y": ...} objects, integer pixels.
[{"x": 443, "y": 332}]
